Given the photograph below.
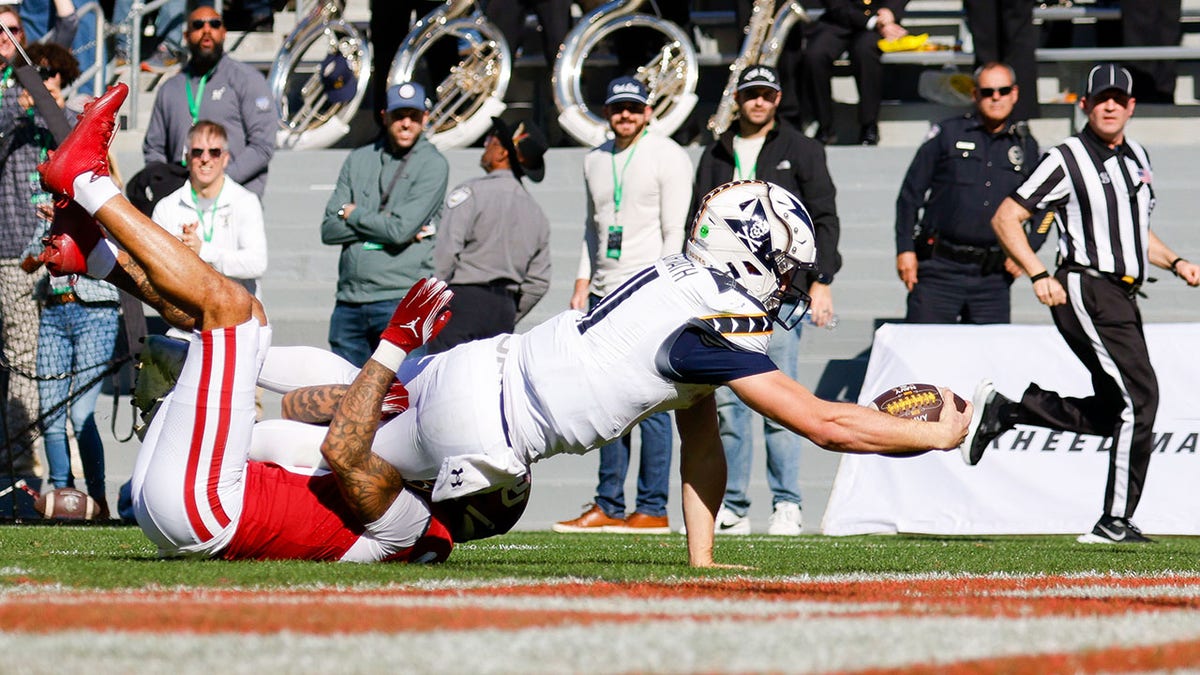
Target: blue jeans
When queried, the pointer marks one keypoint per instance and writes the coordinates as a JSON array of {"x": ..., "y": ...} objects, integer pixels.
[
  {"x": 783, "y": 446},
  {"x": 654, "y": 473},
  {"x": 354, "y": 329},
  {"x": 77, "y": 341}
]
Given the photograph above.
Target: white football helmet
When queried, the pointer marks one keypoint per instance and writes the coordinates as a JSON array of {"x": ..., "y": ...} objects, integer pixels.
[{"x": 762, "y": 236}]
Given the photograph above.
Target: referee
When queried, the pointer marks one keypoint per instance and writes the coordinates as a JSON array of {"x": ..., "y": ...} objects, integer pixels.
[{"x": 1099, "y": 184}]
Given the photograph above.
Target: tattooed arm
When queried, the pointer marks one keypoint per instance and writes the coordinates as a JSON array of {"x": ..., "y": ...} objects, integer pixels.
[
  {"x": 368, "y": 483},
  {"x": 313, "y": 405}
]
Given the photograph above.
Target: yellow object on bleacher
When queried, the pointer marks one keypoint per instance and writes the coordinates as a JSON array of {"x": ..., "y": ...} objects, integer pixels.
[{"x": 908, "y": 43}]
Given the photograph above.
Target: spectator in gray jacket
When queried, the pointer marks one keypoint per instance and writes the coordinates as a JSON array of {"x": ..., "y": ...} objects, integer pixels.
[
  {"x": 494, "y": 244},
  {"x": 213, "y": 86},
  {"x": 383, "y": 214}
]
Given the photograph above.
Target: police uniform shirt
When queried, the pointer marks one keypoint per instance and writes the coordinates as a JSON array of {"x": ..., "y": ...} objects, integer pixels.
[
  {"x": 958, "y": 178},
  {"x": 1103, "y": 198},
  {"x": 492, "y": 230}
]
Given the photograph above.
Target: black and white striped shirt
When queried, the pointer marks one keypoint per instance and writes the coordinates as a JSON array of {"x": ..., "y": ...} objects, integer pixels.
[{"x": 1103, "y": 199}]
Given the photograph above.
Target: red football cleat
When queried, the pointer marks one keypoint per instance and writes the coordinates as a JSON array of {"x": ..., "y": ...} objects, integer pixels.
[
  {"x": 86, "y": 148},
  {"x": 73, "y": 235}
]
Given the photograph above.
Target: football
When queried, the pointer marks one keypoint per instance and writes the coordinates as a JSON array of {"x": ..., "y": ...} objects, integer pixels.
[
  {"x": 915, "y": 402},
  {"x": 66, "y": 504}
]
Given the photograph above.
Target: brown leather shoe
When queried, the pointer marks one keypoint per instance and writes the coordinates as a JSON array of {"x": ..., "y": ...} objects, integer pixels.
[
  {"x": 592, "y": 520},
  {"x": 640, "y": 523}
]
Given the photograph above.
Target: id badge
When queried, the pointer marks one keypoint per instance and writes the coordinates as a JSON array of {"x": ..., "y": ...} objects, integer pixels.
[{"x": 615, "y": 235}]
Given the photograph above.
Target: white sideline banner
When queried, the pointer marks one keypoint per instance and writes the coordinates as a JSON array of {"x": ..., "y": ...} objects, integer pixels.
[{"x": 1031, "y": 480}]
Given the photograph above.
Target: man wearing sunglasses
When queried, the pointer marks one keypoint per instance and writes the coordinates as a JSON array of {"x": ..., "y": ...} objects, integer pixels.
[
  {"x": 761, "y": 146},
  {"x": 215, "y": 87},
  {"x": 221, "y": 221},
  {"x": 638, "y": 195},
  {"x": 1099, "y": 183},
  {"x": 947, "y": 255}
]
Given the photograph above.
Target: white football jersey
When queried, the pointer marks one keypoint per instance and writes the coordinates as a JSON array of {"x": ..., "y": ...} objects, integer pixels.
[{"x": 578, "y": 380}]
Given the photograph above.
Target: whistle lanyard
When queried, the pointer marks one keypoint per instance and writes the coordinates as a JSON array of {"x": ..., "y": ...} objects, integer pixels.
[
  {"x": 194, "y": 101},
  {"x": 206, "y": 228},
  {"x": 619, "y": 182}
]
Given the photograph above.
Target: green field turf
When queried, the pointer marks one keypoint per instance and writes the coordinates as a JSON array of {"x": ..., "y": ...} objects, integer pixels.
[{"x": 120, "y": 557}]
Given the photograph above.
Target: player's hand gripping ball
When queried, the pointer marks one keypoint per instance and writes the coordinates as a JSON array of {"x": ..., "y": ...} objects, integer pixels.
[
  {"x": 66, "y": 504},
  {"x": 921, "y": 402}
]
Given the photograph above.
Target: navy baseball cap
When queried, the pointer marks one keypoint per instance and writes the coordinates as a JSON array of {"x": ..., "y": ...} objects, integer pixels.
[
  {"x": 407, "y": 95},
  {"x": 338, "y": 78},
  {"x": 1108, "y": 76},
  {"x": 627, "y": 89},
  {"x": 759, "y": 76}
]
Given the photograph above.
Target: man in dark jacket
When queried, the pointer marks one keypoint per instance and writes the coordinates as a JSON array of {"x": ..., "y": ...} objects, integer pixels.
[
  {"x": 853, "y": 26},
  {"x": 946, "y": 252},
  {"x": 761, "y": 146}
]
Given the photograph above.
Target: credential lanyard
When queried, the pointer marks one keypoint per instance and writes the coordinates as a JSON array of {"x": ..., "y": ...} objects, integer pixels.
[
  {"x": 615, "y": 230},
  {"x": 737, "y": 168},
  {"x": 194, "y": 101},
  {"x": 206, "y": 228}
]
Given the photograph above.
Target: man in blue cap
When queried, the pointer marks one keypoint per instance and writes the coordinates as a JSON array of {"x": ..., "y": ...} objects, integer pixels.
[
  {"x": 382, "y": 213},
  {"x": 639, "y": 189}
]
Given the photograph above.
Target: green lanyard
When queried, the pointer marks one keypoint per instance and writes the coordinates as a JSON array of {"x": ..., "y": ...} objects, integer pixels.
[
  {"x": 619, "y": 183},
  {"x": 194, "y": 101},
  {"x": 206, "y": 229},
  {"x": 737, "y": 168}
]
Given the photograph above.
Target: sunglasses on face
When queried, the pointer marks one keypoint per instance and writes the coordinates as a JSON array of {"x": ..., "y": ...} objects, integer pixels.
[
  {"x": 47, "y": 72},
  {"x": 629, "y": 107},
  {"x": 766, "y": 93},
  {"x": 215, "y": 153},
  {"x": 988, "y": 92},
  {"x": 199, "y": 24},
  {"x": 14, "y": 29}
]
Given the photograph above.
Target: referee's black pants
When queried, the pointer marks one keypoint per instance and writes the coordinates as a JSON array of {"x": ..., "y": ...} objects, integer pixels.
[
  {"x": 1102, "y": 325},
  {"x": 477, "y": 312}
]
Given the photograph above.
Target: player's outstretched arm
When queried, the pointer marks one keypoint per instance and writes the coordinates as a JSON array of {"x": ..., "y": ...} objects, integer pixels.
[{"x": 845, "y": 427}]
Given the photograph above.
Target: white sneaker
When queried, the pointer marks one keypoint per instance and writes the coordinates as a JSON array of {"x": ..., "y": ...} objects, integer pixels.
[
  {"x": 729, "y": 522},
  {"x": 786, "y": 520}
]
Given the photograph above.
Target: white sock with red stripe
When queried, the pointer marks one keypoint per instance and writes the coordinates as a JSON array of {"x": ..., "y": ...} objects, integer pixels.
[{"x": 92, "y": 191}]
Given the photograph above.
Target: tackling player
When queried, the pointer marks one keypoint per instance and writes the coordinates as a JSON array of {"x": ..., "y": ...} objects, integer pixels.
[{"x": 195, "y": 492}]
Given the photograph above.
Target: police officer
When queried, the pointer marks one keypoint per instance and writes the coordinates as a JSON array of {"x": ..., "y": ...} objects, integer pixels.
[
  {"x": 493, "y": 243},
  {"x": 950, "y": 263}
]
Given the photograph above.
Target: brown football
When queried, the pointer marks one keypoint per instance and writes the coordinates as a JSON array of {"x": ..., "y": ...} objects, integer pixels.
[
  {"x": 66, "y": 504},
  {"x": 915, "y": 402}
]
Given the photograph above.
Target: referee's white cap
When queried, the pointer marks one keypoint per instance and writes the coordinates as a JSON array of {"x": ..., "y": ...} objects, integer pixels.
[{"x": 1108, "y": 76}]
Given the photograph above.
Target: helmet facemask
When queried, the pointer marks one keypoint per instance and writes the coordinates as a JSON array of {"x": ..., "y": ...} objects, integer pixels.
[{"x": 762, "y": 236}]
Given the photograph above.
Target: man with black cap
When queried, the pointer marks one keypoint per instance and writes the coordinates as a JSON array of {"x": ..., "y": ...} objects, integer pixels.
[
  {"x": 493, "y": 243},
  {"x": 382, "y": 214},
  {"x": 638, "y": 195},
  {"x": 761, "y": 145},
  {"x": 1099, "y": 182}
]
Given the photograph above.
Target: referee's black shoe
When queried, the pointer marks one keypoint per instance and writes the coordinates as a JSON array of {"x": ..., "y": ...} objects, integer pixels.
[
  {"x": 1114, "y": 530},
  {"x": 987, "y": 421}
]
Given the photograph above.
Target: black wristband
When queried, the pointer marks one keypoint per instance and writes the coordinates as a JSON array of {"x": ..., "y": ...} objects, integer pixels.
[
  {"x": 1174, "y": 263},
  {"x": 1039, "y": 276}
]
